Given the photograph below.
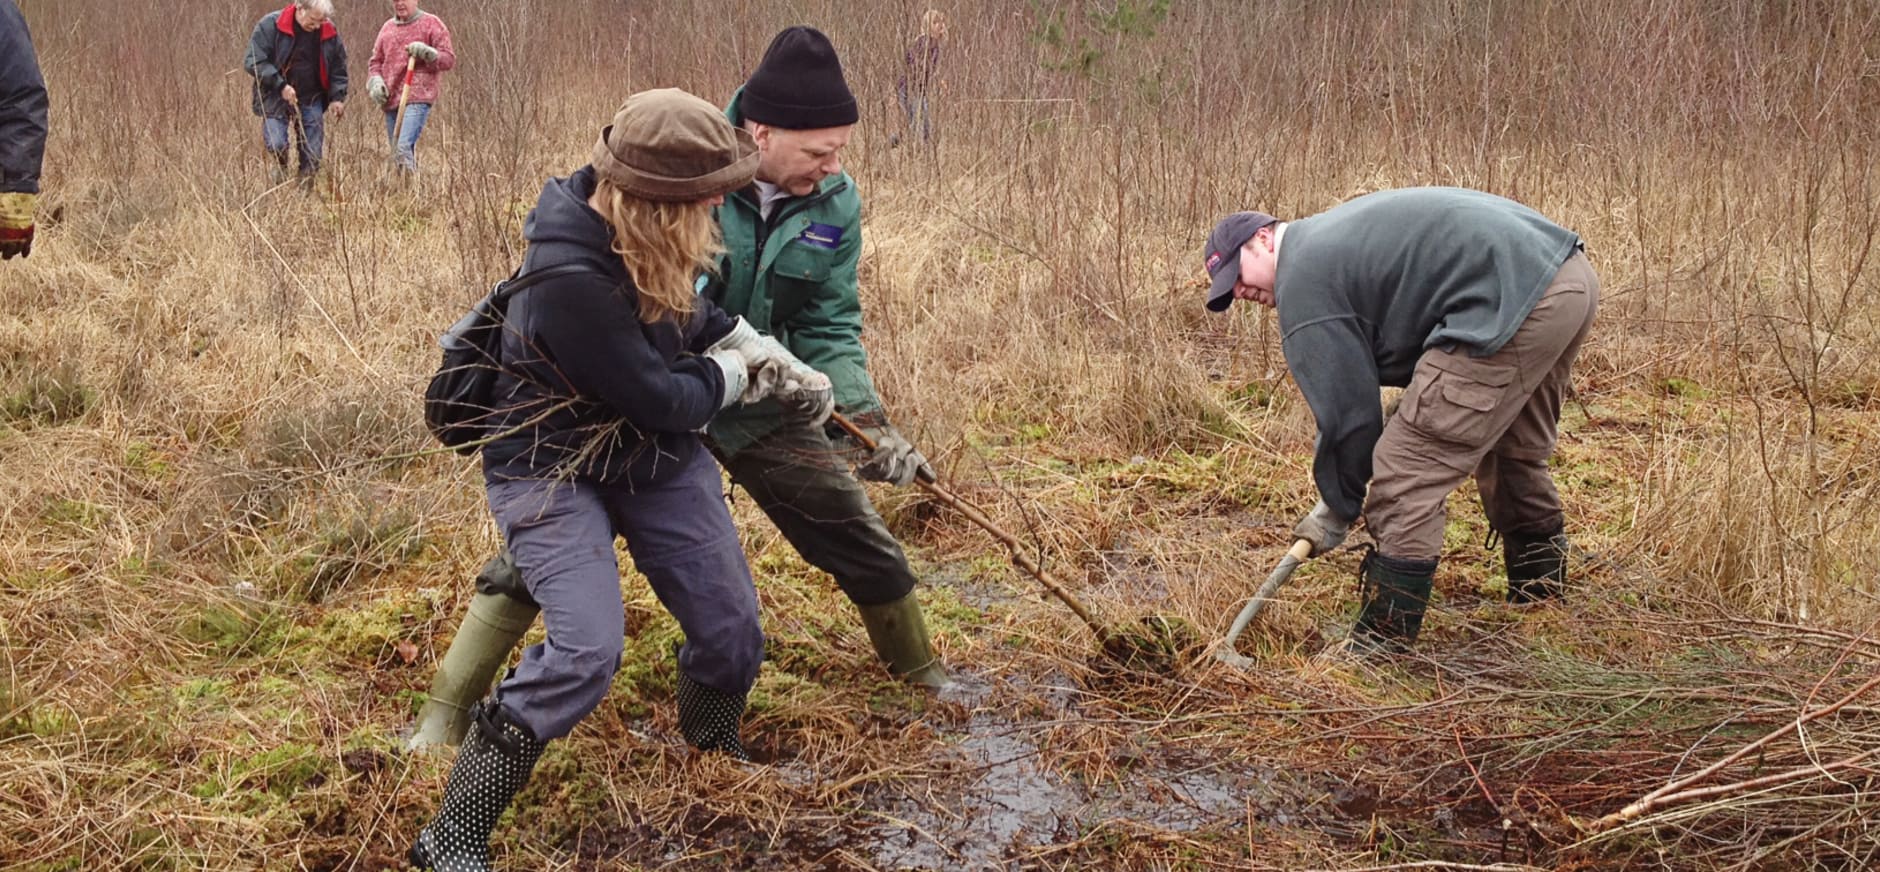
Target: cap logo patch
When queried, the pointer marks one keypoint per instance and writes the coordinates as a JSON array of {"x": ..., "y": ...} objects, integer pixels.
[{"x": 1214, "y": 260}]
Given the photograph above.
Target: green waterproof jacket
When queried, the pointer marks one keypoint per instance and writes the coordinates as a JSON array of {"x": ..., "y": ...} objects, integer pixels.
[{"x": 793, "y": 277}]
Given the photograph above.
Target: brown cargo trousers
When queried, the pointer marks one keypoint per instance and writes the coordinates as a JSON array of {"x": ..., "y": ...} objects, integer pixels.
[{"x": 1495, "y": 416}]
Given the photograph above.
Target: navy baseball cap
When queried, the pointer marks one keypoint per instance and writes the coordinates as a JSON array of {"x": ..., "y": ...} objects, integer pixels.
[{"x": 1222, "y": 254}]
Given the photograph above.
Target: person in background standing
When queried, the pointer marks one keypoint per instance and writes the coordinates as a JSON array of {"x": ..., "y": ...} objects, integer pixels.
[
  {"x": 299, "y": 65},
  {"x": 23, "y": 107},
  {"x": 420, "y": 39},
  {"x": 920, "y": 78}
]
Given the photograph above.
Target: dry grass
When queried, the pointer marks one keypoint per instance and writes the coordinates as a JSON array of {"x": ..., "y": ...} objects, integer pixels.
[{"x": 231, "y": 555}]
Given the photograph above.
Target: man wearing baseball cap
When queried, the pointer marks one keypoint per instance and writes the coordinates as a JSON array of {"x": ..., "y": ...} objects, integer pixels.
[{"x": 1477, "y": 305}]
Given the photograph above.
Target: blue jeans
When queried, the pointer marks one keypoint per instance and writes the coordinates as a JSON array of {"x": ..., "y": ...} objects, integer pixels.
[
  {"x": 919, "y": 117},
  {"x": 680, "y": 535},
  {"x": 310, "y": 133},
  {"x": 405, "y": 150}
]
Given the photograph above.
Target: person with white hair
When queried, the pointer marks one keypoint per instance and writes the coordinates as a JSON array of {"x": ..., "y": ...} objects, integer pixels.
[
  {"x": 920, "y": 78},
  {"x": 299, "y": 65}
]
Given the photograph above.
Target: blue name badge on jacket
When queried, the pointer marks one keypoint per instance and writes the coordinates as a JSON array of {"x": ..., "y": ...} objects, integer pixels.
[{"x": 821, "y": 236}]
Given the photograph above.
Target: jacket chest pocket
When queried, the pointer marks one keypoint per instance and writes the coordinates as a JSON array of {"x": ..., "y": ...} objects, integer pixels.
[{"x": 794, "y": 277}]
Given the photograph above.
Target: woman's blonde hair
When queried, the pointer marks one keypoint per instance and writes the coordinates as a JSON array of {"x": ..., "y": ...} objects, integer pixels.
[
  {"x": 665, "y": 245},
  {"x": 929, "y": 18}
]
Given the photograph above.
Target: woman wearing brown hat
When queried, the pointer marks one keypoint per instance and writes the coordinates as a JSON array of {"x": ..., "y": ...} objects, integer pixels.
[{"x": 609, "y": 372}]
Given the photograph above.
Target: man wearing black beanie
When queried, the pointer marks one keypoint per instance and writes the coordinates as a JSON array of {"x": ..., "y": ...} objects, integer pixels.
[
  {"x": 798, "y": 85},
  {"x": 792, "y": 242}
]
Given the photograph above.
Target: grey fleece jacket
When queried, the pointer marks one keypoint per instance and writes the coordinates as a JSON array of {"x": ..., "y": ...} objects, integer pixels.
[{"x": 1364, "y": 288}]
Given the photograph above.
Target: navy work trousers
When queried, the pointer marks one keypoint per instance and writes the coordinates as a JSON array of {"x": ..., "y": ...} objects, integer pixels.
[{"x": 680, "y": 536}]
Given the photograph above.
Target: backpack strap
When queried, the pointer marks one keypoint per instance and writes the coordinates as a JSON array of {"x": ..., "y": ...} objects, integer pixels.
[{"x": 519, "y": 280}]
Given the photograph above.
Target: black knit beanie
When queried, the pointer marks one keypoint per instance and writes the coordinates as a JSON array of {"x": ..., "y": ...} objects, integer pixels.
[{"x": 798, "y": 85}]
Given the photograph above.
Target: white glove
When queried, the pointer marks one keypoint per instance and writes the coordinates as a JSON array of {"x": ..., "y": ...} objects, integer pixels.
[
  {"x": 744, "y": 338},
  {"x": 736, "y": 370},
  {"x": 1322, "y": 528},
  {"x": 422, "y": 51},
  {"x": 375, "y": 88},
  {"x": 810, "y": 401}
]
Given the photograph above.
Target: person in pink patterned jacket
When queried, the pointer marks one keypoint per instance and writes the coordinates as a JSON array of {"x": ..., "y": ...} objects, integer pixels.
[{"x": 421, "y": 38}]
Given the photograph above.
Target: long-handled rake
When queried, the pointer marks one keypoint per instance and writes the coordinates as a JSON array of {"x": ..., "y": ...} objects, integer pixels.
[
  {"x": 1118, "y": 646},
  {"x": 1224, "y": 652}
]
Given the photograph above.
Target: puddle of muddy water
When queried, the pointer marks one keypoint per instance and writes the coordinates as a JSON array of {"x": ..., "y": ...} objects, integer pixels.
[
  {"x": 1004, "y": 801},
  {"x": 1003, "y": 795}
]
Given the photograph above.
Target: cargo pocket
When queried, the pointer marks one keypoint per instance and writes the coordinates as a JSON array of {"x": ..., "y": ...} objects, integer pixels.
[{"x": 1457, "y": 400}]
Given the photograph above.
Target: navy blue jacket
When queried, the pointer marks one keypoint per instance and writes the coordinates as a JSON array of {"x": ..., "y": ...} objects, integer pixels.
[
  {"x": 22, "y": 106},
  {"x": 635, "y": 399},
  {"x": 268, "y": 48}
]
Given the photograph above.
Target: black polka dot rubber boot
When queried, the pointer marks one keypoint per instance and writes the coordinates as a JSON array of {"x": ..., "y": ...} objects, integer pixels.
[
  {"x": 1537, "y": 566},
  {"x": 708, "y": 717},
  {"x": 492, "y": 765}
]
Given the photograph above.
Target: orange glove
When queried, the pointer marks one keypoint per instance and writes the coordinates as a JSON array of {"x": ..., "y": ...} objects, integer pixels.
[{"x": 16, "y": 224}]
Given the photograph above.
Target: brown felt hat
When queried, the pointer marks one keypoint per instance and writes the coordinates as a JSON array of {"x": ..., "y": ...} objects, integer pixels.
[{"x": 666, "y": 144}]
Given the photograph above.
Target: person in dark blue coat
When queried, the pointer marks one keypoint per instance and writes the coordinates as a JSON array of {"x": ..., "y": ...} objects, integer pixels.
[
  {"x": 608, "y": 375},
  {"x": 22, "y": 132}
]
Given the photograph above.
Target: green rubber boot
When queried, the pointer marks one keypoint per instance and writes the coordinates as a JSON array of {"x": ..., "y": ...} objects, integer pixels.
[
  {"x": 899, "y": 635},
  {"x": 489, "y": 632}
]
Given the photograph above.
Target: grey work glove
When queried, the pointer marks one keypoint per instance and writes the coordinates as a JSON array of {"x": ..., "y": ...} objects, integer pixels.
[
  {"x": 423, "y": 52},
  {"x": 736, "y": 371},
  {"x": 809, "y": 403},
  {"x": 375, "y": 88},
  {"x": 1322, "y": 528},
  {"x": 894, "y": 460},
  {"x": 807, "y": 396}
]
